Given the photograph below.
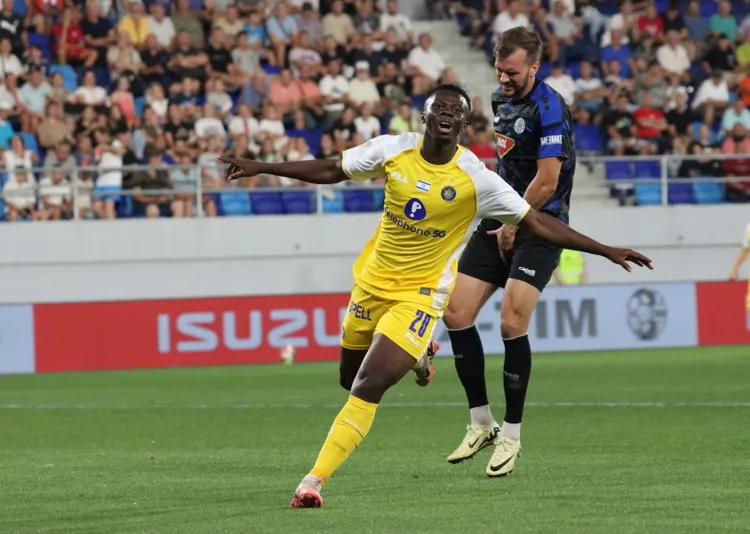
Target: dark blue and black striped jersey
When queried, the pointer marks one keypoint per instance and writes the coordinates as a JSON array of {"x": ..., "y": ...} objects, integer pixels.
[{"x": 535, "y": 127}]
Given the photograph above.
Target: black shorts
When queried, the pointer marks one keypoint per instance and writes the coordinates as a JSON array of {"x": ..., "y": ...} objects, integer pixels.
[{"x": 532, "y": 260}]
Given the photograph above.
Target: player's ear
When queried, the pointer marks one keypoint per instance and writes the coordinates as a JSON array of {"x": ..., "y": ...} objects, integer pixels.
[
  {"x": 534, "y": 69},
  {"x": 422, "y": 117}
]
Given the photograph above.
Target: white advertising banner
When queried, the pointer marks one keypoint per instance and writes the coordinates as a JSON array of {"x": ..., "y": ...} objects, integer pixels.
[
  {"x": 16, "y": 339},
  {"x": 601, "y": 317}
]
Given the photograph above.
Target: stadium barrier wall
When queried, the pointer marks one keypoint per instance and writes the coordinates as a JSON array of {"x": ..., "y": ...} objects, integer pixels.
[
  {"x": 248, "y": 330},
  {"x": 171, "y": 258}
]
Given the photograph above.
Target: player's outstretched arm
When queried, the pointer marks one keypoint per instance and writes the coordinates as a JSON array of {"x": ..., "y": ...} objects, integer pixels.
[
  {"x": 562, "y": 235},
  {"x": 321, "y": 171}
]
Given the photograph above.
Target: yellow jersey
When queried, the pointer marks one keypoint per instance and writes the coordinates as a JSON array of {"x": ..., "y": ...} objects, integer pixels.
[{"x": 429, "y": 214}]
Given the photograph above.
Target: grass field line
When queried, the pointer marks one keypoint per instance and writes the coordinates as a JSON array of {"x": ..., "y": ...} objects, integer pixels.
[{"x": 159, "y": 405}]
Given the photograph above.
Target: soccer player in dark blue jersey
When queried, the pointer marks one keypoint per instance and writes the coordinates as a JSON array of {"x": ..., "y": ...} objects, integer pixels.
[{"x": 534, "y": 132}]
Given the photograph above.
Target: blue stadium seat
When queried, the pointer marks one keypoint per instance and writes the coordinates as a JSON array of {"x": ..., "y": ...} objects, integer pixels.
[
  {"x": 271, "y": 70},
  {"x": 312, "y": 137},
  {"x": 70, "y": 79},
  {"x": 124, "y": 207},
  {"x": 588, "y": 138},
  {"x": 43, "y": 42},
  {"x": 680, "y": 193},
  {"x": 574, "y": 69},
  {"x": 618, "y": 170},
  {"x": 709, "y": 7},
  {"x": 359, "y": 200},
  {"x": 140, "y": 103},
  {"x": 29, "y": 139},
  {"x": 545, "y": 69},
  {"x": 647, "y": 194},
  {"x": 647, "y": 169},
  {"x": 708, "y": 192},
  {"x": 103, "y": 76},
  {"x": 267, "y": 203},
  {"x": 20, "y": 8},
  {"x": 299, "y": 202},
  {"x": 379, "y": 196},
  {"x": 234, "y": 204},
  {"x": 335, "y": 204}
]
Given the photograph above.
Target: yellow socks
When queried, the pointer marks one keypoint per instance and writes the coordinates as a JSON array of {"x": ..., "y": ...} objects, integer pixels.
[{"x": 349, "y": 429}]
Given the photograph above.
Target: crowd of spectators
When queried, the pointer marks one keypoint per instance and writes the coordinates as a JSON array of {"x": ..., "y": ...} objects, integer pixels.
[
  {"x": 104, "y": 85},
  {"x": 643, "y": 78}
]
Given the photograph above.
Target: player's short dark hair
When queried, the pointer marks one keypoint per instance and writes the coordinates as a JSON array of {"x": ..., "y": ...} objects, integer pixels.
[
  {"x": 452, "y": 87},
  {"x": 521, "y": 38}
]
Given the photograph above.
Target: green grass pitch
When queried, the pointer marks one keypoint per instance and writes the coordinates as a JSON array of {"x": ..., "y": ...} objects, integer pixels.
[{"x": 626, "y": 442}]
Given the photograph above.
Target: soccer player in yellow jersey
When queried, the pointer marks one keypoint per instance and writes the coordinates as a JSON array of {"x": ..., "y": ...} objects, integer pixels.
[
  {"x": 735, "y": 274},
  {"x": 435, "y": 194}
]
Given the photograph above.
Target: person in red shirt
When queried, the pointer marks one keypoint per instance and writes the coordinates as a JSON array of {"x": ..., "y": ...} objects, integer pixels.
[
  {"x": 737, "y": 142},
  {"x": 651, "y": 23},
  {"x": 68, "y": 41},
  {"x": 484, "y": 148},
  {"x": 650, "y": 122}
]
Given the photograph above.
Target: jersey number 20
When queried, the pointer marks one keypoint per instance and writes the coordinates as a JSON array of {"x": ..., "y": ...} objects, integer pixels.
[{"x": 425, "y": 321}]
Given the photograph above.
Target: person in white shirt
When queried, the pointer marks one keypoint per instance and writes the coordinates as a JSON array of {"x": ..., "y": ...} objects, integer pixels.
[
  {"x": 161, "y": 26},
  {"x": 512, "y": 17},
  {"x": 244, "y": 124},
  {"x": 56, "y": 195},
  {"x": 590, "y": 90},
  {"x": 672, "y": 56},
  {"x": 334, "y": 88},
  {"x": 89, "y": 94},
  {"x": 562, "y": 83},
  {"x": 209, "y": 125},
  {"x": 711, "y": 98},
  {"x": 367, "y": 124},
  {"x": 398, "y": 22},
  {"x": 20, "y": 197},
  {"x": 17, "y": 156},
  {"x": 624, "y": 21},
  {"x": 9, "y": 62},
  {"x": 272, "y": 128},
  {"x": 362, "y": 89},
  {"x": 425, "y": 60},
  {"x": 109, "y": 153}
]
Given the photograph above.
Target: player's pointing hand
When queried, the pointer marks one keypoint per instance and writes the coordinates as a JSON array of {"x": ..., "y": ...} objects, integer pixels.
[
  {"x": 624, "y": 256},
  {"x": 240, "y": 168}
]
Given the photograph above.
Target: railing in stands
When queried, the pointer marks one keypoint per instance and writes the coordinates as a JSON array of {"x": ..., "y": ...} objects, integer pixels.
[{"x": 623, "y": 175}]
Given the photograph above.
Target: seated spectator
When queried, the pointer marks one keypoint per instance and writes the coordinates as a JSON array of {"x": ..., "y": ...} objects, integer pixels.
[
  {"x": 619, "y": 126},
  {"x": 160, "y": 26},
  {"x": 328, "y": 149},
  {"x": 209, "y": 125},
  {"x": 366, "y": 124},
  {"x": 720, "y": 56},
  {"x": 397, "y": 22},
  {"x": 737, "y": 114},
  {"x": 568, "y": 33},
  {"x": 282, "y": 29},
  {"x": 109, "y": 184},
  {"x": 211, "y": 175},
  {"x": 217, "y": 96},
  {"x": 404, "y": 121},
  {"x": 723, "y": 22},
  {"x": 123, "y": 98},
  {"x": 17, "y": 156},
  {"x": 652, "y": 82},
  {"x": 179, "y": 127},
  {"x": 737, "y": 144},
  {"x": 56, "y": 196},
  {"x": 334, "y": 90},
  {"x": 188, "y": 61},
  {"x": 300, "y": 151},
  {"x": 244, "y": 124},
  {"x": 272, "y": 128},
  {"x": 34, "y": 60},
  {"x": 590, "y": 90},
  {"x": 60, "y": 158},
  {"x": 186, "y": 21},
  {"x": 484, "y": 147},
  {"x": 367, "y": 20},
  {"x": 53, "y": 129},
  {"x": 184, "y": 177},
  {"x": 509, "y": 18},
  {"x": 650, "y": 23},
  {"x": 742, "y": 55},
  {"x": 154, "y": 63},
  {"x": 230, "y": 23},
  {"x": 425, "y": 61},
  {"x": 97, "y": 31},
  {"x": 135, "y": 24},
  {"x": 247, "y": 58},
  {"x": 620, "y": 52},
  {"x": 89, "y": 94},
  {"x": 157, "y": 101},
  {"x": 123, "y": 58},
  {"x": 69, "y": 46},
  {"x": 9, "y": 100},
  {"x": 672, "y": 56},
  {"x": 304, "y": 54},
  {"x": 673, "y": 22},
  {"x": 394, "y": 87},
  {"x": 152, "y": 196},
  {"x": 679, "y": 117},
  {"x": 311, "y": 23},
  {"x": 33, "y": 97},
  {"x": 220, "y": 64},
  {"x": 338, "y": 24},
  {"x": 9, "y": 62},
  {"x": 362, "y": 88},
  {"x": 701, "y": 164},
  {"x": 20, "y": 198},
  {"x": 285, "y": 94},
  {"x": 711, "y": 99},
  {"x": 624, "y": 23},
  {"x": 650, "y": 123},
  {"x": 562, "y": 83}
]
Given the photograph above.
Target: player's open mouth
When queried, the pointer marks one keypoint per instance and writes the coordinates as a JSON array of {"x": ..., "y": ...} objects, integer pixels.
[{"x": 444, "y": 126}]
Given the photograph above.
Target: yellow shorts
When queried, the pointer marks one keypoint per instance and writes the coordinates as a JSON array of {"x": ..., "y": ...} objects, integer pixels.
[{"x": 408, "y": 325}]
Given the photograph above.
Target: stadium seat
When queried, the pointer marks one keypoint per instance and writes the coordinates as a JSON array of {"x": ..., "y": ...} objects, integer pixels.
[
  {"x": 680, "y": 193},
  {"x": 43, "y": 42},
  {"x": 574, "y": 69},
  {"x": 312, "y": 137},
  {"x": 29, "y": 139},
  {"x": 335, "y": 204},
  {"x": 299, "y": 202},
  {"x": 267, "y": 203},
  {"x": 359, "y": 200},
  {"x": 588, "y": 138},
  {"x": 271, "y": 70},
  {"x": 708, "y": 192},
  {"x": 647, "y": 169},
  {"x": 70, "y": 79},
  {"x": 124, "y": 207},
  {"x": 379, "y": 196},
  {"x": 234, "y": 204},
  {"x": 20, "y": 8},
  {"x": 647, "y": 194},
  {"x": 619, "y": 170},
  {"x": 545, "y": 69},
  {"x": 140, "y": 103}
]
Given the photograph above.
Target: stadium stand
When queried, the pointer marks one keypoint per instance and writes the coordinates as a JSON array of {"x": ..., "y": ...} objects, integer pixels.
[{"x": 99, "y": 86}]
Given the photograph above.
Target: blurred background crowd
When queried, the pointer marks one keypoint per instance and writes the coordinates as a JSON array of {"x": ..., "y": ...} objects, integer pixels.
[{"x": 100, "y": 85}]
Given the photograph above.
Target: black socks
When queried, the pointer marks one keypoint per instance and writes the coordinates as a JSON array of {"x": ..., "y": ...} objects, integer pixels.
[
  {"x": 469, "y": 359},
  {"x": 516, "y": 373}
]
